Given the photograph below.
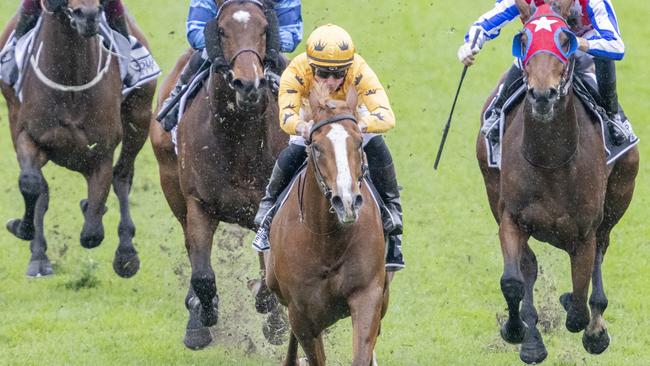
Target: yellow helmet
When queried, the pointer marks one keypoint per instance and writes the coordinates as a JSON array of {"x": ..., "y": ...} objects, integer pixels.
[{"x": 330, "y": 46}]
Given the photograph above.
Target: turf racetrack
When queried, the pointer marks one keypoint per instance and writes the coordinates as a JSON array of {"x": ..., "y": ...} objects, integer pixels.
[{"x": 444, "y": 307}]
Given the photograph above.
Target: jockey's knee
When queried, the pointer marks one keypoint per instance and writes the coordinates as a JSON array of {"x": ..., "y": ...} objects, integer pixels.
[
  {"x": 377, "y": 152},
  {"x": 292, "y": 157}
]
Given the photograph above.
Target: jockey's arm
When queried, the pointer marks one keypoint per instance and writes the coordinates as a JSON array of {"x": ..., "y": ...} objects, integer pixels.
[
  {"x": 372, "y": 94},
  {"x": 290, "y": 24},
  {"x": 201, "y": 12},
  {"x": 605, "y": 40},
  {"x": 290, "y": 98},
  {"x": 489, "y": 25}
]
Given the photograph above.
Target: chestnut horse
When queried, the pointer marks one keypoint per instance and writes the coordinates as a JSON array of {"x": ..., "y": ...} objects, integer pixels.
[
  {"x": 327, "y": 243},
  {"x": 73, "y": 114},
  {"x": 228, "y": 140},
  {"x": 555, "y": 186}
]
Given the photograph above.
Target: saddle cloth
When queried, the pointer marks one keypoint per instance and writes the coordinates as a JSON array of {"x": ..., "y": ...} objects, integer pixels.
[
  {"x": 137, "y": 65},
  {"x": 612, "y": 152}
]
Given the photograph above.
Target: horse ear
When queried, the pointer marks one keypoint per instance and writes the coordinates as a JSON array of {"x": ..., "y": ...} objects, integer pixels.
[
  {"x": 518, "y": 46},
  {"x": 573, "y": 43},
  {"x": 314, "y": 99},
  {"x": 351, "y": 99},
  {"x": 524, "y": 9}
]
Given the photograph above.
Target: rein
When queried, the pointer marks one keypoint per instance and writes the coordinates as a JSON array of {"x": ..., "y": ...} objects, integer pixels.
[{"x": 101, "y": 71}]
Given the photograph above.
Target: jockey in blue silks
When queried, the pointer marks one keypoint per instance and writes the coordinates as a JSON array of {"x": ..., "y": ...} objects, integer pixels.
[
  {"x": 595, "y": 24},
  {"x": 289, "y": 17}
]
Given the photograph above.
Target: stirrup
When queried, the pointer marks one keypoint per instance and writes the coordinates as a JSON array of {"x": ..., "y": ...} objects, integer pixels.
[
  {"x": 490, "y": 128},
  {"x": 261, "y": 241},
  {"x": 619, "y": 130}
]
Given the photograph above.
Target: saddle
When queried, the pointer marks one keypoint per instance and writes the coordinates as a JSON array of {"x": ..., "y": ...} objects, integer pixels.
[{"x": 586, "y": 91}]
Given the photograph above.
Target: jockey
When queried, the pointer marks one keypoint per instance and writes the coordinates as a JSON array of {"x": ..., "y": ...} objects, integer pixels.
[
  {"x": 201, "y": 12},
  {"x": 331, "y": 59},
  {"x": 595, "y": 24},
  {"x": 31, "y": 10}
]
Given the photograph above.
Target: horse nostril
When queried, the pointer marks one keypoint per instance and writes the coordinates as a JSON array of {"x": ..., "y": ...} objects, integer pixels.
[
  {"x": 262, "y": 83},
  {"x": 238, "y": 84},
  {"x": 337, "y": 203},
  {"x": 358, "y": 201},
  {"x": 553, "y": 94}
]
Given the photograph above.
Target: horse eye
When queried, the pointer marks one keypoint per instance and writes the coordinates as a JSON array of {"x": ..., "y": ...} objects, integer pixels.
[{"x": 222, "y": 33}]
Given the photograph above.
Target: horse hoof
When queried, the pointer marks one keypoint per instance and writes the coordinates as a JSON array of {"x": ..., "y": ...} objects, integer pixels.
[
  {"x": 91, "y": 237},
  {"x": 20, "y": 231},
  {"x": 196, "y": 339},
  {"x": 265, "y": 300},
  {"x": 513, "y": 334},
  {"x": 39, "y": 268},
  {"x": 565, "y": 300},
  {"x": 596, "y": 343},
  {"x": 275, "y": 327},
  {"x": 532, "y": 349},
  {"x": 126, "y": 265}
]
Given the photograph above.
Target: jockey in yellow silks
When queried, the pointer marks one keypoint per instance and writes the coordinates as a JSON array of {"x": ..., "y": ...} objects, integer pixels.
[{"x": 331, "y": 59}]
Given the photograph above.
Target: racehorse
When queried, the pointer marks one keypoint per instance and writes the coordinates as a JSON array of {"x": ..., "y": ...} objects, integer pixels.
[
  {"x": 554, "y": 185},
  {"x": 327, "y": 243},
  {"x": 228, "y": 139},
  {"x": 73, "y": 114}
]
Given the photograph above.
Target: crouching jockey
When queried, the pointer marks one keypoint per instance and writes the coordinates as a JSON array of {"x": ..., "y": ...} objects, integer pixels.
[
  {"x": 285, "y": 18},
  {"x": 595, "y": 24},
  {"x": 331, "y": 59}
]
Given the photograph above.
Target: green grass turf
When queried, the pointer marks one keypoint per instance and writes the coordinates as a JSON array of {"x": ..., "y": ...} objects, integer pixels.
[{"x": 444, "y": 306}]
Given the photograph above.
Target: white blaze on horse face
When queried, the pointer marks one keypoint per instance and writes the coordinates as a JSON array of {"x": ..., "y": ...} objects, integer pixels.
[
  {"x": 338, "y": 135},
  {"x": 242, "y": 16},
  {"x": 257, "y": 77}
]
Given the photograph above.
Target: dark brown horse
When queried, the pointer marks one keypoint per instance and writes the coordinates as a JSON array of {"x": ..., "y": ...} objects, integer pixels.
[
  {"x": 228, "y": 140},
  {"x": 327, "y": 243},
  {"x": 73, "y": 114},
  {"x": 555, "y": 186}
]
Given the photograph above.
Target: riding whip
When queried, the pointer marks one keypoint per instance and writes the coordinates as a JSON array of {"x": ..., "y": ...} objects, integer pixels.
[{"x": 453, "y": 106}]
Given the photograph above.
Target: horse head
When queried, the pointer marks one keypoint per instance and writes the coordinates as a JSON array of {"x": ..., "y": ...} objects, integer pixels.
[
  {"x": 241, "y": 41},
  {"x": 336, "y": 152},
  {"x": 545, "y": 48},
  {"x": 84, "y": 15}
]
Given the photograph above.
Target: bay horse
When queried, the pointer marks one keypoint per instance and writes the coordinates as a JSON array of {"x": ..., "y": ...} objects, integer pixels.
[
  {"x": 554, "y": 185},
  {"x": 327, "y": 254},
  {"x": 228, "y": 140},
  {"x": 73, "y": 114}
]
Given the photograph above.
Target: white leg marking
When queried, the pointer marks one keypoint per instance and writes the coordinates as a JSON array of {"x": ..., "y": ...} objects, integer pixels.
[
  {"x": 242, "y": 16},
  {"x": 338, "y": 135}
]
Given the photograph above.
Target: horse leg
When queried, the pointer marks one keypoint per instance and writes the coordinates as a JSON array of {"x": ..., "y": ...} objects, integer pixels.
[
  {"x": 198, "y": 240},
  {"x": 94, "y": 208},
  {"x": 575, "y": 303},
  {"x": 513, "y": 241},
  {"x": 532, "y": 347},
  {"x": 365, "y": 310},
  {"x": 35, "y": 191},
  {"x": 309, "y": 337},
  {"x": 596, "y": 339},
  {"x": 135, "y": 123},
  {"x": 266, "y": 302},
  {"x": 292, "y": 351},
  {"x": 31, "y": 183}
]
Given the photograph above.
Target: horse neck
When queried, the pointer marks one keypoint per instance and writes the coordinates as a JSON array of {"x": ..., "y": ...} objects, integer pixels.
[
  {"x": 553, "y": 143},
  {"x": 66, "y": 56},
  {"x": 229, "y": 120}
]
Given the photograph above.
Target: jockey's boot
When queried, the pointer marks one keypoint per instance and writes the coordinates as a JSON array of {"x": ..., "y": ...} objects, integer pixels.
[
  {"x": 168, "y": 115},
  {"x": 26, "y": 21},
  {"x": 289, "y": 160},
  {"x": 385, "y": 180},
  {"x": 492, "y": 116},
  {"x": 617, "y": 122}
]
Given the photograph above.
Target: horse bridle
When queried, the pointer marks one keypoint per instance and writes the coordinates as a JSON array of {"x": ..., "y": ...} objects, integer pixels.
[
  {"x": 565, "y": 81},
  {"x": 222, "y": 68},
  {"x": 327, "y": 190}
]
